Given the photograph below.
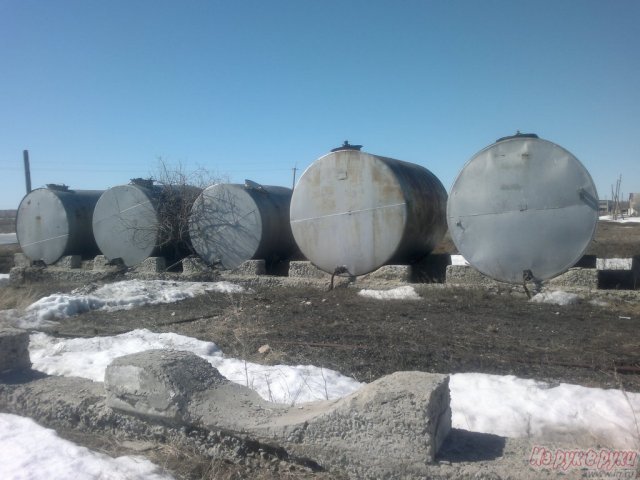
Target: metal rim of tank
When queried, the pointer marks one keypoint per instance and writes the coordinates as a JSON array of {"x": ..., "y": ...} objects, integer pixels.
[
  {"x": 225, "y": 225},
  {"x": 56, "y": 240},
  {"x": 527, "y": 254},
  {"x": 361, "y": 214},
  {"x": 125, "y": 224}
]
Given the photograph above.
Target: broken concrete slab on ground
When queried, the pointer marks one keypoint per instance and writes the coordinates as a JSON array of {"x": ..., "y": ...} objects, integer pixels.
[{"x": 393, "y": 426}]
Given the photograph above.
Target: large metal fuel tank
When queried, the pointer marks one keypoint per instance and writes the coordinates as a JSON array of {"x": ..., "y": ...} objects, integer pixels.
[
  {"x": 232, "y": 223},
  {"x": 522, "y": 208},
  {"x": 140, "y": 220},
  {"x": 55, "y": 221},
  {"x": 356, "y": 211}
]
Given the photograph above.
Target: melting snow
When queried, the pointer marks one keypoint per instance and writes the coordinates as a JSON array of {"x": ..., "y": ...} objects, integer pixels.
[
  {"x": 400, "y": 293},
  {"x": 557, "y": 297}
]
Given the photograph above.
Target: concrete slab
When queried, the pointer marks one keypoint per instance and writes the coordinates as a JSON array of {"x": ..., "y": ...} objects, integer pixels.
[
  {"x": 158, "y": 383},
  {"x": 393, "y": 425}
]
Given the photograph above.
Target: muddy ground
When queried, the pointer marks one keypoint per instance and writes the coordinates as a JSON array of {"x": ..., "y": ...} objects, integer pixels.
[{"x": 595, "y": 343}]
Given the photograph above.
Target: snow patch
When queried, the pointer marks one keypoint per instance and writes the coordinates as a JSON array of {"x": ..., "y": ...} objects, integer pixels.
[
  {"x": 609, "y": 218},
  {"x": 614, "y": 263},
  {"x": 458, "y": 260},
  {"x": 557, "y": 297},
  {"x": 4, "y": 279},
  {"x": 32, "y": 452},
  {"x": 8, "y": 238},
  {"x": 89, "y": 358},
  {"x": 516, "y": 407},
  {"x": 401, "y": 293},
  {"x": 123, "y": 295}
]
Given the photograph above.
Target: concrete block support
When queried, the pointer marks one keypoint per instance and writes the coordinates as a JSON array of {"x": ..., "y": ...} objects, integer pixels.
[
  {"x": 69, "y": 261},
  {"x": 21, "y": 260},
  {"x": 14, "y": 350},
  {"x": 100, "y": 262},
  {"x": 194, "y": 266},
  {"x": 577, "y": 278},
  {"x": 250, "y": 268},
  {"x": 392, "y": 427},
  {"x": 152, "y": 265},
  {"x": 467, "y": 275},
  {"x": 305, "y": 269},
  {"x": 399, "y": 273}
]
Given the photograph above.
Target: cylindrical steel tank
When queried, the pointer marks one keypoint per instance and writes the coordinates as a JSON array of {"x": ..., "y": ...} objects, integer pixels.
[
  {"x": 232, "y": 223},
  {"x": 356, "y": 211},
  {"x": 140, "y": 220},
  {"x": 55, "y": 221},
  {"x": 522, "y": 208}
]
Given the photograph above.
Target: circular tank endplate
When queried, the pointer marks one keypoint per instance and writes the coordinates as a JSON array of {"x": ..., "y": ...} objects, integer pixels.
[
  {"x": 125, "y": 224},
  {"x": 42, "y": 226},
  {"x": 522, "y": 206},
  {"x": 348, "y": 209},
  {"x": 225, "y": 225}
]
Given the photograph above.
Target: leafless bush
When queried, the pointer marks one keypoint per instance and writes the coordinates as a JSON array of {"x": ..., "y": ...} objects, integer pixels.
[{"x": 174, "y": 190}]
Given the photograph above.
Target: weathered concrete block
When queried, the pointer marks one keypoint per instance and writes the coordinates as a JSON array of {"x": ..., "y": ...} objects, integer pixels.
[
  {"x": 17, "y": 275},
  {"x": 194, "y": 266},
  {"x": 152, "y": 265},
  {"x": 577, "y": 278},
  {"x": 69, "y": 261},
  {"x": 304, "y": 269},
  {"x": 14, "y": 350},
  {"x": 21, "y": 260},
  {"x": 399, "y": 273},
  {"x": 250, "y": 268},
  {"x": 100, "y": 262},
  {"x": 158, "y": 383},
  {"x": 392, "y": 427},
  {"x": 467, "y": 275}
]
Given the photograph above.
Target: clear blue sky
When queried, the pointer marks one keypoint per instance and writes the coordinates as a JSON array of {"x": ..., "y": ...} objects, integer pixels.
[{"x": 98, "y": 90}]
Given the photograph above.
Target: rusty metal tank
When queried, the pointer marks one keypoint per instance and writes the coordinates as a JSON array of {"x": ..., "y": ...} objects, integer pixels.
[
  {"x": 142, "y": 219},
  {"x": 355, "y": 212},
  {"x": 232, "y": 223},
  {"x": 522, "y": 208},
  {"x": 55, "y": 221}
]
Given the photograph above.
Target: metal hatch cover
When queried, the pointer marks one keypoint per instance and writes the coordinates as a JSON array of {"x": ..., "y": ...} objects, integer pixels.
[{"x": 522, "y": 204}]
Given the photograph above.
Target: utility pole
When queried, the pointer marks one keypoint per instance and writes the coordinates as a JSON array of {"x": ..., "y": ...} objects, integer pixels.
[
  {"x": 295, "y": 169},
  {"x": 27, "y": 170}
]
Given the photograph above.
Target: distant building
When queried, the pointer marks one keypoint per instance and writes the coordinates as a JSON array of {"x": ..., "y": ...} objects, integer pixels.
[
  {"x": 605, "y": 207},
  {"x": 634, "y": 204}
]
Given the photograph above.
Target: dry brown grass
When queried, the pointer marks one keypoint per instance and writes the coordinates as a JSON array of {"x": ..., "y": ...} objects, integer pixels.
[{"x": 21, "y": 296}]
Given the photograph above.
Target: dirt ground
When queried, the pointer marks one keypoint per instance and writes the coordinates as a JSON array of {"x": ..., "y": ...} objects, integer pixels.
[{"x": 447, "y": 330}]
